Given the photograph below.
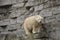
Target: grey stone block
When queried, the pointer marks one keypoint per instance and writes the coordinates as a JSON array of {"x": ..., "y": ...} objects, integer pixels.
[
  {"x": 4, "y": 23},
  {"x": 20, "y": 19},
  {"x": 45, "y": 5},
  {"x": 34, "y": 13},
  {"x": 57, "y": 36},
  {"x": 2, "y": 37},
  {"x": 1, "y": 29},
  {"x": 13, "y": 14},
  {"x": 11, "y": 37},
  {"x": 56, "y": 10},
  {"x": 41, "y": 1},
  {"x": 33, "y": 3},
  {"x": 4, "y": 33},
  {"x": 50, "y": 39},
  {"x": 17, "y": 5},
  {"x": 6, "y": 20},
  {"x": 49, "y": 3},
  {"x": 57, "y": 2},
  {"x": 52, "y": 34},
  {"x": 11, "y": 27},
  {"x": 50, "y": 19},
  {"x": 17, "y": 12},
  {"x": 19, "y": 32},
  {"x": 30, "y": 0},
  {"x": 12, "y": 21},
  {"x": 13, "y": 1},
  {"x": 58, "y": 17},
  {"x": 19, "y": 1},
  {"x": 19, "y": 26},
  {"x": 3, "y": 10},
  {"x": 5, "y": 2},
  {"x": 21, "y": 11},
  {"x": 40, "y": 7},
  {"x": 57, "y": 28},
  {"x": 46, "y": 12},
  {"x": 55, "y": 25}
]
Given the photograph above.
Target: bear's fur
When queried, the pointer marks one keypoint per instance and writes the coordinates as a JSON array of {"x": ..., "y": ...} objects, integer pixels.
[{"x": 33, "y": 24}]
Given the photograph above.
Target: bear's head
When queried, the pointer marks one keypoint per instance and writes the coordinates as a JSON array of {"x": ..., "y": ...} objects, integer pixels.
[{"x": 39, "y": 18}]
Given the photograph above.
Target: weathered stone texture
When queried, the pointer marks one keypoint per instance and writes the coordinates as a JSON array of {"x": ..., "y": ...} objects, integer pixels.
[
  {"x": 46, "y": 12},
  {"x": 56, "y": 10},
  {"x": 39, "y": 8},
  {"x": 18, "y": 5},
  {"x": 12, "y": 17},
  {"x": 2, "y": 37}
]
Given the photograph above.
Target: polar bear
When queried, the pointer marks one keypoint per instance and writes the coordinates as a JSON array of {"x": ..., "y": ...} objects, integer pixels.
[{"x": 32, "y": 24}]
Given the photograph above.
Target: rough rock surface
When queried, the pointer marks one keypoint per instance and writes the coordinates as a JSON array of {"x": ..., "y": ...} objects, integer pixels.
[{"x": 14, "y": 12}]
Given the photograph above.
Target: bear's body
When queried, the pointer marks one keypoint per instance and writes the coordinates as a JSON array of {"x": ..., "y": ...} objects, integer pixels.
[{"x": 32, "y": 24}]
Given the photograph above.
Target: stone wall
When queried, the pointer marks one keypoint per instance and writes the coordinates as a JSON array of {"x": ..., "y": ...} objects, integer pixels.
[{"x": 12, "y": 18}]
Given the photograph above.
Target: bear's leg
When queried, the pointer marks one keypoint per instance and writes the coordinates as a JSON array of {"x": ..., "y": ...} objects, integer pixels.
[
  {"x": 29, "y": 34},
  {"x": 34, "y": 30},
  {"x": 27, "y": 31}
]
